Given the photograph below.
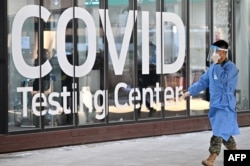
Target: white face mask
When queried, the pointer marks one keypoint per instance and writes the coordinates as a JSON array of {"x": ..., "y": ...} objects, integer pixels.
[{"x": 216, "y": 55}]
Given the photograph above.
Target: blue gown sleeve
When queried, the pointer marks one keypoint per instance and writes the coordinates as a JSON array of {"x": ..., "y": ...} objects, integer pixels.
[{"x": 202, "y": 84}]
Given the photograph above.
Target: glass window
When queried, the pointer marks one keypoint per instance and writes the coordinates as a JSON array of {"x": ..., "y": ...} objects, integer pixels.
[
  {"x": 221, "y": 16},
  {"x": 242, "y": 44},
  {"x": 23, "y": 49},
  {"x": 61, "y": 106},
  {"x": 56, "y": 66},
  {"x": 238, "y": 53},
  {"x": 173, "y": 50},
  {"x": 120, "y": 20},
  {"x": 37, "y": 100},
  {"x": 199, "y": 37},
  {"x": 90, "y": 43},
  {"x": 149, "y": 105},
  {"x": 83, "y": 61}
]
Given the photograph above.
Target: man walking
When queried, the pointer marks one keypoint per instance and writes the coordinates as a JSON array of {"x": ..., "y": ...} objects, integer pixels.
[{"x": 221, "y": 78}]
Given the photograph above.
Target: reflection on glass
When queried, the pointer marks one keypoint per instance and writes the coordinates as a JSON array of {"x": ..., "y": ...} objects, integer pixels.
[
  {"x": 92, "y": 83},
  {"x": 198, "y": 56},
  {"x": 175, "y": 82},
  {"x": 242, "y": 39},
  {"x": 134, "y": 86},
  {"x": 20, "y": 116},
  {"x": 37, "y": 102},
  {"x": 146, "y": 62},
  {"x": 120, "y": 60},
  {"x": 221, "y": 20},
  {"x": 60, "y": 106}
]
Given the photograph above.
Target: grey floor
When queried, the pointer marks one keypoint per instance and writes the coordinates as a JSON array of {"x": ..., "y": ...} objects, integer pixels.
[{"x": 168, "y": 150}]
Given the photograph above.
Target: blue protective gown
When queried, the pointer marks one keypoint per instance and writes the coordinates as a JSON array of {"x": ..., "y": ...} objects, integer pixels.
[{"x": 222, "y": 81}]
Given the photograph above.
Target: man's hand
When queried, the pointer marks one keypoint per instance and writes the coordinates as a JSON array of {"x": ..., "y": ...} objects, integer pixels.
[
  {"x": 215, "y": 58},
  {"x": 185, "y": 95}
]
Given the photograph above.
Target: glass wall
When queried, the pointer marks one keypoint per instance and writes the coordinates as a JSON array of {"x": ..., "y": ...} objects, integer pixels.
[
  {"x": 60, "y": 109},
  {"x": 221, "y": 17},
  {"x": 224, "y": 12},
  {"x": 77, "y": 63},
  {"x": 121, "y": 22},
  {"x": 25, "y": 39},
  {"x": 89, "y": 42},
  {"x": 59, "y": 91},
  {"x": 173, "y": 82},
  {"x": 147, "y": 78},
  {"x": 199, "y": 42},
  {"x": 242, "y": 52}
]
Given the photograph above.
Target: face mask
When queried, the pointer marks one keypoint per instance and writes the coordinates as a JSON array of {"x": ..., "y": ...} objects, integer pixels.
[{"x": 216, "y": 55}]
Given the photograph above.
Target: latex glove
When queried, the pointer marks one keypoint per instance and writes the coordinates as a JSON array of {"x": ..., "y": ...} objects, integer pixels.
[
  {"x": 185, "y": 95},
  {"x": 215, "y": 58}
]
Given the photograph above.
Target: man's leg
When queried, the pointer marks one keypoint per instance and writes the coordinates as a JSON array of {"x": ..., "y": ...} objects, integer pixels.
[
  {"x": 230, "y": 144},
  {"x": 214, "y": 149}
]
